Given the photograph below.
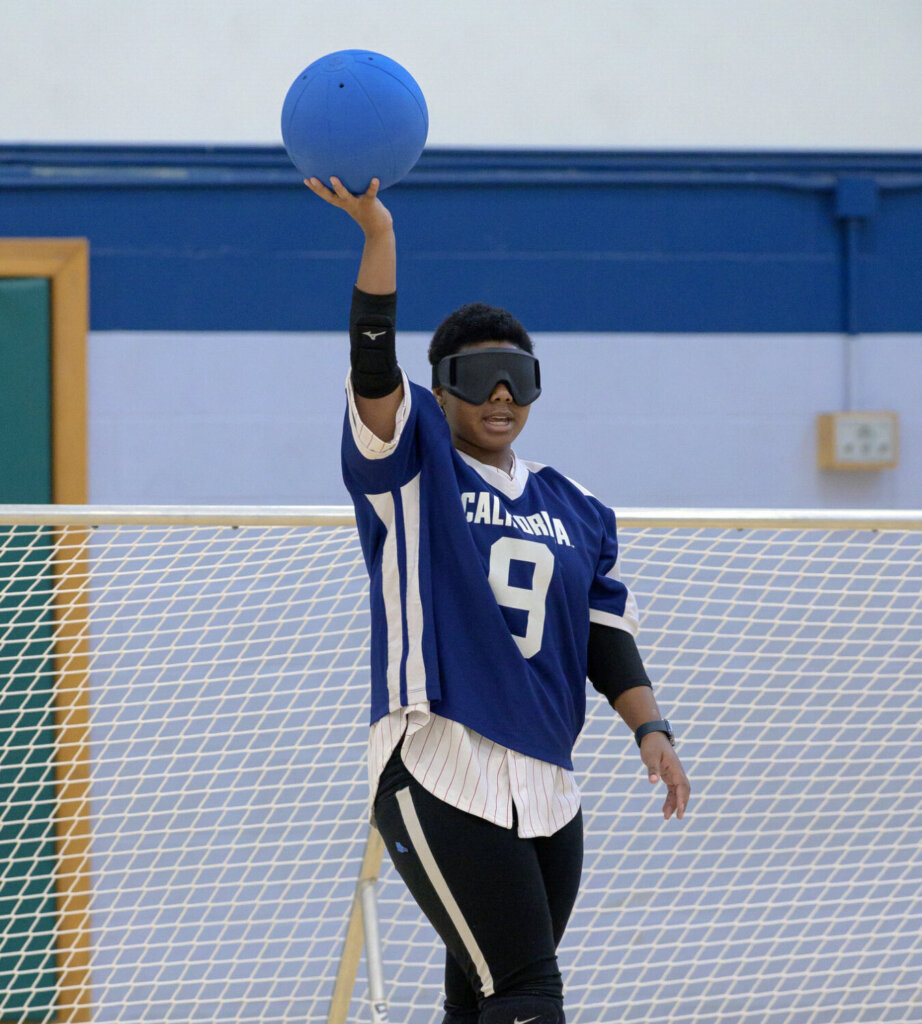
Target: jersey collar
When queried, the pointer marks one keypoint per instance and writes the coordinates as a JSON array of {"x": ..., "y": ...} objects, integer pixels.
[{"x": 510, "y": 484}]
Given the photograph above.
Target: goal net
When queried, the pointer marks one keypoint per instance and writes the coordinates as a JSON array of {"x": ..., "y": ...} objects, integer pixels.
[{"x": 183, "y": 790}]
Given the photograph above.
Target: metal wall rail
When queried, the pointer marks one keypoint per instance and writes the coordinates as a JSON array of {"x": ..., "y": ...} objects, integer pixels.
[{"x": 343, "y": 515}]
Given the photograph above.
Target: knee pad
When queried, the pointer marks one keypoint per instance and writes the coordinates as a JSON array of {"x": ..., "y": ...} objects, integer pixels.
[{"x": 524, "y": 1009}]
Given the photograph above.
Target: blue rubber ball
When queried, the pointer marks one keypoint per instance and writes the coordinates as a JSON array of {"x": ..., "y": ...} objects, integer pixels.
[{"x": 357, "y": 115}]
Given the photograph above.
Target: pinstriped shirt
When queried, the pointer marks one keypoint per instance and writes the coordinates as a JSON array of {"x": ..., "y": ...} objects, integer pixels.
[
  {"x": 474, "y": 774},
  {"x": 450, "y": 760}
]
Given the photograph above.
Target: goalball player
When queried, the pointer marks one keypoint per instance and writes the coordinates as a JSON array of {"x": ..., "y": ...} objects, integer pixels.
[{"x": 494, "y": 594}]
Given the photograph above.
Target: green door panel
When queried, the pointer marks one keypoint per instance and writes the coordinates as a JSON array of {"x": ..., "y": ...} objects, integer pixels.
[
  {"x": 27, "y": 805},
  {"x": 25, "y": 391}
]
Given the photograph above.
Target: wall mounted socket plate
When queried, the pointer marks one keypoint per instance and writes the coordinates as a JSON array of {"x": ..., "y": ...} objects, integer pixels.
[{"x": 857, "y": 440}]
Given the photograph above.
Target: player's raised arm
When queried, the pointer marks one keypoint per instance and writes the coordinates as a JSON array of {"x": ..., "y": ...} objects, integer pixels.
[{"x": 376, "y": 379}]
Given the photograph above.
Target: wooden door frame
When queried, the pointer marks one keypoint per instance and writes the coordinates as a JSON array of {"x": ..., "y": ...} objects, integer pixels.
[{"x": 64, "y": 262}]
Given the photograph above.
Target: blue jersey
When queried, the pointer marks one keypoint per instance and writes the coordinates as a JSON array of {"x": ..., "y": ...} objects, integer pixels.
[{"x": 481, "y": 590}]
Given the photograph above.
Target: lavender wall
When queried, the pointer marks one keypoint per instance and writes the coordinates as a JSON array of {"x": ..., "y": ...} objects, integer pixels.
[{"x": 687, "y": 420}]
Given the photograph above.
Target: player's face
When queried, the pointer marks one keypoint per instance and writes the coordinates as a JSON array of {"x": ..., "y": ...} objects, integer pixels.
[{"x": 485, "y": 431}]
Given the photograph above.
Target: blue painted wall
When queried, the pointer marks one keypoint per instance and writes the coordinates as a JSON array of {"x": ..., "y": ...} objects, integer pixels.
[{"x": 226, "y": 238}]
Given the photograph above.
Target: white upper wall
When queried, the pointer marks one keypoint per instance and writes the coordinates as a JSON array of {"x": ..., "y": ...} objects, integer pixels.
[{"x": 621, "y": 74}]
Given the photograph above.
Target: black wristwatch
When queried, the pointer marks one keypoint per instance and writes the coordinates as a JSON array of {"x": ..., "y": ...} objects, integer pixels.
[{"x": 660, "y": 725}]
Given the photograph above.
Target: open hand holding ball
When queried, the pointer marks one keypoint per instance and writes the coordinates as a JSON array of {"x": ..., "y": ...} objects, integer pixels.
[{"x": 357, "y": 115}]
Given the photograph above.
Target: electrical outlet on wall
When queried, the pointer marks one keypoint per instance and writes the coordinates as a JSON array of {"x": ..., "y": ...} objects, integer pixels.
[{"x": 857, "y": 440}]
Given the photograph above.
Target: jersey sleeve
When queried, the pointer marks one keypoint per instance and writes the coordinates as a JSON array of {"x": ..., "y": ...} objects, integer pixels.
[
  {"x": 370, "y": 465},
  {"x": 610, "y": 601}
]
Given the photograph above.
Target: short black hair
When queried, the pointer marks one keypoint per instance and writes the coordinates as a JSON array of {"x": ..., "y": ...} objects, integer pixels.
[{"x": 476, "y": 322}]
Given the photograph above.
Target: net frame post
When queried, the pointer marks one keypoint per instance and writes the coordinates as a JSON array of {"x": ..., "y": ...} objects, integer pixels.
[
  {"x": 357, "y": 934},
  {"x": 373, "y": 959}
]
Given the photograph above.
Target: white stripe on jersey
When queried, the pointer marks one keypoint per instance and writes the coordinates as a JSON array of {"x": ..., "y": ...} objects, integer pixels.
[
  {"x": 427, "y": 860},
  {"x": 397, "y": 611},
  {"x": 416, "y": 668},
  {"x": 630, "y": 621},
  {"x": 474, "y": 774},
  {"x": 610, "y": 619},
  {"x": 383, "y": 504}
]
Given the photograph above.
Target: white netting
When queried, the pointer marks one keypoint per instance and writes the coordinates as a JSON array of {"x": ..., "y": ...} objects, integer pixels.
[{"x": 220, "y": 675}]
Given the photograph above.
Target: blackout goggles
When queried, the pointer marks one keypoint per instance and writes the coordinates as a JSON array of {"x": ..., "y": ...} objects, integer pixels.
[{"x": 472, "y": 376}]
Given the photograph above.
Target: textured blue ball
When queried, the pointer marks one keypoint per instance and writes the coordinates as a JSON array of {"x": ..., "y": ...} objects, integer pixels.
[{"x": 357, "y": 115}]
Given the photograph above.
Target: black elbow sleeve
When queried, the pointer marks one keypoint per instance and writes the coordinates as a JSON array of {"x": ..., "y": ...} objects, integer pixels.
[
  {"x": 372, "y": 344},
  {"x": 614, "y": 664}
]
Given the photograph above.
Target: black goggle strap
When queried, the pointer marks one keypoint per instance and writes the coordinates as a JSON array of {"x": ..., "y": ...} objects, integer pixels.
[{"x": 472, "y": 376}]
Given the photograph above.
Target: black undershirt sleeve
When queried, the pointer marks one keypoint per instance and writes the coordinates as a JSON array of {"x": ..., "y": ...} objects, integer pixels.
[
  {"x": 372, "y": 352},
  {"x": 614, "y": 663}
]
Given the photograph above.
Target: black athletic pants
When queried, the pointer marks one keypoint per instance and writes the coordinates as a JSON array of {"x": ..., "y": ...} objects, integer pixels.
[{"x": 499, "y": 903}]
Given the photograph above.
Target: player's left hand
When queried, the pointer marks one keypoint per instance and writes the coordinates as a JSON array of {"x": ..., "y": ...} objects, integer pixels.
[{"x": 662, "y": 762}]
